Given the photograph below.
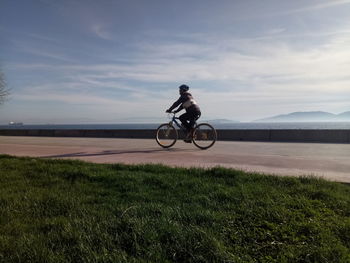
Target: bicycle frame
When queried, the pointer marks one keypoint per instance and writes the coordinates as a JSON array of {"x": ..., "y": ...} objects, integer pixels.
[
  {"x": 174, "y": 120},
  {"x": 203, "y": 135}
]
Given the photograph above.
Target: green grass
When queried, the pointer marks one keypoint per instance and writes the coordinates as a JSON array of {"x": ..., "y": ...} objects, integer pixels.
[{"x": 71, "y": 211}]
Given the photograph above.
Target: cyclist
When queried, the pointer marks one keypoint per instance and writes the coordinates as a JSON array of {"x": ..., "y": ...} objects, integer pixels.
[{"x": 193, "y": 111}]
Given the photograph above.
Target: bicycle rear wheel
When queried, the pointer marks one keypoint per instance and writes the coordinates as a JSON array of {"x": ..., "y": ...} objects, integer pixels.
[
  {"x": 204, "y": 136},
  {"x": 166, "y": 135}
]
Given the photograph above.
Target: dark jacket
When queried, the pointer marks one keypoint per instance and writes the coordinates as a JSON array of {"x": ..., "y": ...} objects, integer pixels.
[{"x": 186, "y": 102}]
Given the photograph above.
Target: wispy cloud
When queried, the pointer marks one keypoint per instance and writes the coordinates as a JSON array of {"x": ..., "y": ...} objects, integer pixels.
[
  {"x": 282, "y": 8},
  {"x": 278, "y": 75},
  {"x": 323, "y": 5},
  {"x": 253, "y": 63},
  {"x": 249, "y": 74},
  {"x": 41, "y": 52},
  {"x": 101, "y": 31}
]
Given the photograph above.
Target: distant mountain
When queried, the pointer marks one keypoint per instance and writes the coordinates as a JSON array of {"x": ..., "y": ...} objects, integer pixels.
[
  {"x": 310, "y": 116},
  {"x": 344, "y": 115}
]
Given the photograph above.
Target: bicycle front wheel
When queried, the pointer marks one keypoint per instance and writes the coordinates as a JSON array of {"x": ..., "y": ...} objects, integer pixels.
[
  {"x": 204, "y": 136},
  {"x": 166, "y": 135}
]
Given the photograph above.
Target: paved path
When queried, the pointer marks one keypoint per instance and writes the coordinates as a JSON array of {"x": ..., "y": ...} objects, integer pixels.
[{"x": 331, "y": 161}]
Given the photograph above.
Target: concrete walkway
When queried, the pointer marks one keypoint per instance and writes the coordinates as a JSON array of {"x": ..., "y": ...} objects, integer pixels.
[{"x": 331, "y": 161}]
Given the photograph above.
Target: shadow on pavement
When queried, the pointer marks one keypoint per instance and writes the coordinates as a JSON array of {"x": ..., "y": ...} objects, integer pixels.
[{"x": 115, "y": 152}]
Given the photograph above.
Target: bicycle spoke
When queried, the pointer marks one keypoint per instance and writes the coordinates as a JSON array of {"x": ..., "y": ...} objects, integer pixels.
[
  {"x": 204, "y": 136},
  {"x": 166, "y": 135}
]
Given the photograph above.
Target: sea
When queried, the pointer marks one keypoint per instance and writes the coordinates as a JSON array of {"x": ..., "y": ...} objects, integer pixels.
[{"x": 229, "y": 126}]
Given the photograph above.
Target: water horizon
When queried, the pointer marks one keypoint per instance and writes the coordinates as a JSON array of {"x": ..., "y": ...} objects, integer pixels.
[{"x": 229, "y": 126}]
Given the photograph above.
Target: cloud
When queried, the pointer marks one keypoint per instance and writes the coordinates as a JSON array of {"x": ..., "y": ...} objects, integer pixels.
[
  {"x": 276, "y": 31},
  {"x": 323, "y": 5},
  {"x": 100, "y": 31},
  {"x": 41, "y": 52},
  {"x": 253, "y": 63},
  {"x": 256, "y": 76},
  {"x": 290, "y": 8}
]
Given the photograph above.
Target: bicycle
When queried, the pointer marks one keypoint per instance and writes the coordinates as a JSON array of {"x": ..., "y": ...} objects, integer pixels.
[{"x": 203, "y": 136}]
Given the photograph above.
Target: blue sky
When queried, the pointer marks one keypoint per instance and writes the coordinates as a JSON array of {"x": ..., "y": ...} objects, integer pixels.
[{"x": 84, "y": 61}]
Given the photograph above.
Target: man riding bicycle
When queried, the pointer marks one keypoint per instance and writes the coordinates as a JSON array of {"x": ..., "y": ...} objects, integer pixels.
[{"x": 192, "y": 114}]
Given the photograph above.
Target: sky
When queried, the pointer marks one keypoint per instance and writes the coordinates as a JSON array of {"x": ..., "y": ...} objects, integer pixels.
[{"x": 114, "y": 61}]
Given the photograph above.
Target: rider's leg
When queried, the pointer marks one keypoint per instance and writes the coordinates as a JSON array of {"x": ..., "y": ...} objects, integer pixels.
[
  {"x": 194, "y": 116},
  {"x": 188, "y": 120},
  {"x": 184, "y": 118}
]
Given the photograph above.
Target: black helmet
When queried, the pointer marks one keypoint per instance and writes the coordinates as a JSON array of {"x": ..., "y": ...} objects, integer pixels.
[{"x": 184, "y": 87}]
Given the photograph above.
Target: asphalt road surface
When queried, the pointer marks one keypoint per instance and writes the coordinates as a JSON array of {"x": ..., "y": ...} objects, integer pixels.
[{"x": 330, "y": 161}]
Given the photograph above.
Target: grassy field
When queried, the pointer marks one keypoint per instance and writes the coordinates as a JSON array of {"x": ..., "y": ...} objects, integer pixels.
[{"x": 71, "y": 211}]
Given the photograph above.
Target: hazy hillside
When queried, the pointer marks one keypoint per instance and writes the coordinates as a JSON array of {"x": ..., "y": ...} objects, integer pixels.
[
  {"x": 311, "y": 116},
  {"x": 344, "y": 115}
]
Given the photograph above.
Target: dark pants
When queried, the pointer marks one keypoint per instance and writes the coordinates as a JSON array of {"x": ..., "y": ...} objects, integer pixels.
[{"x": 189, "y": 118}]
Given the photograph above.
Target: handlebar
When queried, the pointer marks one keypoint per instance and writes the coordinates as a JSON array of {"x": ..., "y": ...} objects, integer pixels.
[{"x": 171, "y": 115}]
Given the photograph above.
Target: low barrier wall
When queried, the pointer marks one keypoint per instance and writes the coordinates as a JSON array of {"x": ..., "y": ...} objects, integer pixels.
[{"x": 329, "y": 136}]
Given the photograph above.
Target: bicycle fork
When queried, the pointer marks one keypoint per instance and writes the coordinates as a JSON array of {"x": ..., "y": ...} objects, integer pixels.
[{"x": 167, "y": 132}]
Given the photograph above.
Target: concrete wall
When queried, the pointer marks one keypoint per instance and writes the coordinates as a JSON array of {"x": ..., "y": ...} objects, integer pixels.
[
  {"x": 329, "y": 136},
  {"x": 140, "y": 134}
]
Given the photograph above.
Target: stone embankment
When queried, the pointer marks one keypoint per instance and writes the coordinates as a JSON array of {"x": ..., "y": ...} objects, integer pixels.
[{"x": 326, "y": 136}]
